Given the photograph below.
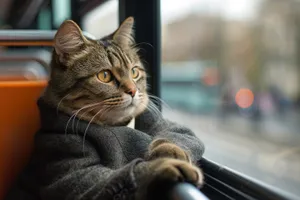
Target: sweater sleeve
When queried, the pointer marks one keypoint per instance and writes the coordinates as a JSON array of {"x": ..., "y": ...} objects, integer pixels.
[
  {"x": 64, "y": 171},
  {"x": 181, "y": 136}
]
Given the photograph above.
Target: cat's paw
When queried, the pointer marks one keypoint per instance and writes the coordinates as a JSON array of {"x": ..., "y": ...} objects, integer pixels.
[
  {"x": 161, "y": 174},
  {"x": 173, "y": 170},
  {"x": 162, "y": 148}
]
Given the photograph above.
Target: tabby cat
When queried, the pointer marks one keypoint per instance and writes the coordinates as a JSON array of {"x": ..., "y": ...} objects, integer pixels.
[{"x": 97, "y": 88}]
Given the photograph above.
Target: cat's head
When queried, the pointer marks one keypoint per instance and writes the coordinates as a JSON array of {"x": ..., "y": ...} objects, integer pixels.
[{"x": 101, "y": 80}]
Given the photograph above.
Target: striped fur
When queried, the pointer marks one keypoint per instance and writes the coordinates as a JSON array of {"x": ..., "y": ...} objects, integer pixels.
[{"x": 74, "y": 85}]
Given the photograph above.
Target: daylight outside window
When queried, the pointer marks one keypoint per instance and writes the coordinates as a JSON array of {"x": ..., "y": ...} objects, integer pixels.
[
  {"x": 102, "y": 20},
  {"x": 231, "y": 72}
]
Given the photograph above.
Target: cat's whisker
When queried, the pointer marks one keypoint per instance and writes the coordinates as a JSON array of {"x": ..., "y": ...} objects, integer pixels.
[
  {"x": 148, "y": 86},
  {"x": 69, "y": 122},
  {"x": 159, "y": 100},
  {"x": 74, "y": 115},
  {"x": 136, "y": 45},
  {"x": 82, "y": 117},
  {"x": 57, "y": 108},
  {"x": 76, "y": 129},
  {"x": 153, "y": 109},
  {"x": 113, "y": 99},
  {"x": 113, "y": 103},
  {"x": 117, "y": 103},
  {"x": 150, "y": 109},
  {"x": 85, "y": 132},
  {"x": 105, "y": 108},
  {"x": 96, "y": 104}
]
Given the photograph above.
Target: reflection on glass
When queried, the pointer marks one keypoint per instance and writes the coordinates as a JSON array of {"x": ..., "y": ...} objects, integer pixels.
[{"x": 231, "y": 72}]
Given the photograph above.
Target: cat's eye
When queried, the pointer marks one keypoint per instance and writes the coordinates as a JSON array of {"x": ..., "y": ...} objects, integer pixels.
[
  {"x": 135, "y": 72},
  {"x": 105, "y": 76}
]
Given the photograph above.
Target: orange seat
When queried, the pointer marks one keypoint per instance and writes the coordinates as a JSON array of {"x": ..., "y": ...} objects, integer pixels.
[
  {"x": 19, "y": 116},
  {"x": 19, "y": 120}
]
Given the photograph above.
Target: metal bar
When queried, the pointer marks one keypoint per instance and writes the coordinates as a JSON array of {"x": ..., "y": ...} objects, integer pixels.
[
  {"x": 24, "y": 59},
  {"x": 31, "y": 35},
  {"x": 186, "y": 191},
  {"x": 229, "y": 182},
  {"x": 147, "y": 35},
  {"x": 26, "y": 35}
]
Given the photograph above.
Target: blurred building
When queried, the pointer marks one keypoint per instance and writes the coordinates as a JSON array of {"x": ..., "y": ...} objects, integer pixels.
[
  {"x": 191, "y": 38},
  {"x": 280, "y": 36},
  {"x": 258, "y": 53}
]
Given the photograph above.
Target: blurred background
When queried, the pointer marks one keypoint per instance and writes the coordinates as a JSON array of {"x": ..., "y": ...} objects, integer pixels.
[{"x": 230, "y": 72}]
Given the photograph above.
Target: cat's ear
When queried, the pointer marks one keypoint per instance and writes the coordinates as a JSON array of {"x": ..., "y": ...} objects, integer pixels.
[
  {"x": 69, "y": 38},
  {"x": 124, "y": 35}
]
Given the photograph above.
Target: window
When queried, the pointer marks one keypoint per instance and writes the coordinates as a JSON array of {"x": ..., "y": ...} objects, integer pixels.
[
  {"x": 103, "y": 20},
  {"x": 61, "y": 11},
  {"x": 231, "y": 73}
]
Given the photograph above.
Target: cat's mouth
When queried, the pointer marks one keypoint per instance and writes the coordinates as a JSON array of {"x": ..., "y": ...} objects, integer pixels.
[{"x": 131, "y": 103}]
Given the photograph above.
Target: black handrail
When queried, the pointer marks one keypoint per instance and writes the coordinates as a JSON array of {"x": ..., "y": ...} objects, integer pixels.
[
  {"x": 220, "y": 180},
  {"x": 186, "y": 191}
]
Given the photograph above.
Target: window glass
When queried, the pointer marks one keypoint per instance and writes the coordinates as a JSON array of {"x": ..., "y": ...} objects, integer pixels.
[
  {"x": 103, "y": 20},
  {"x": 44, "y": 19},
  {"x": 231, "y": 72},
  {"x": 61, "y": 11}
]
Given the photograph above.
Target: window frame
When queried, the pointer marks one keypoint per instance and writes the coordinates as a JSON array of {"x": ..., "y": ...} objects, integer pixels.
[
  {"x": 220, "y": 182},
  {"x": 147, "y": 35}
]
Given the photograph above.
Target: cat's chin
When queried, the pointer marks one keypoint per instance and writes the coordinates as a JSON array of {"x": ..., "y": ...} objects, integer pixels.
[{"x": 122, "y": 115}]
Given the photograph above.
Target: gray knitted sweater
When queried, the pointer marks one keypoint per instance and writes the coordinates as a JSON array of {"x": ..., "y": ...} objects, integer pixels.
[{"x": 69, "y": 164}]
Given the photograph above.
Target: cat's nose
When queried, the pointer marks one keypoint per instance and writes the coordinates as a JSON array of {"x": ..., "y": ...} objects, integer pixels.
[{"x": 131, "y": 91}]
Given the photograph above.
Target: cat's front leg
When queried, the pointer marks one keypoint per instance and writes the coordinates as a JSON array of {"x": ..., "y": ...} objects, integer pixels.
[
  {"x": 168, "y": 164},
  {"x": 157, "y": 176},
  {"x": 162, "y": 148}
]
